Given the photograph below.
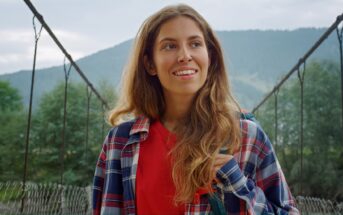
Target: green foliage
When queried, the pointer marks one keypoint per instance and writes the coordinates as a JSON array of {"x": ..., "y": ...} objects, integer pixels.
[
  {"x": 12, "y": 128},
  {"x": 12, "y": 140},
  {"x": 45, "y": 154},
  {"x": 322, "y": 167},
  {"x": 9, "y": 97},
  {"x": 82, "y": 139}
]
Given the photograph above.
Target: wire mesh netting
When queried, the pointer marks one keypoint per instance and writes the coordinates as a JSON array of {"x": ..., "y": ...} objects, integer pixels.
[
  {"x": 311, "y": 205},
  {"x": 51, "y": 199},
  {"x": 36, "y": 199}
]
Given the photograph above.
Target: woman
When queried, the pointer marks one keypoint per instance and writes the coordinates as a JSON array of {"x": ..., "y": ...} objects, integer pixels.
[{"x": 186, "y": 150}]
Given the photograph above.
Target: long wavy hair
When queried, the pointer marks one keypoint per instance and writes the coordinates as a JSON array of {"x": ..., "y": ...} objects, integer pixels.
[{"x": 212, "y": 122}]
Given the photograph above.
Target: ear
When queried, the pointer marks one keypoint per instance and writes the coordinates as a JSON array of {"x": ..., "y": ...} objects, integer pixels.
[{"x": 149, "y": 66}]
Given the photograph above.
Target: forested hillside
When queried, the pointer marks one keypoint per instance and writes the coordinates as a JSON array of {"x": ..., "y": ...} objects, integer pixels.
[{"x": 255, "y": 60}]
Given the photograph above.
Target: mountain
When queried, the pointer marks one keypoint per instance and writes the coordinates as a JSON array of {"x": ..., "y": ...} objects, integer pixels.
[{"x": 255, "y": 59}]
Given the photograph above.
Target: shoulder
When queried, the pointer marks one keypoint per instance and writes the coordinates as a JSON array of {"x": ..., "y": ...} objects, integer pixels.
[
  {"x": 253, "y": 137},
  {"x": 124, "y": 130},
  {"x": 251, "y": 128}
]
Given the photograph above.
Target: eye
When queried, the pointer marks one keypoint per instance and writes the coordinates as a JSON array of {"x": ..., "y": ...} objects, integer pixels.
[
  {"x": 196, "y": 44},
  {"x": 168, "y": 46}
]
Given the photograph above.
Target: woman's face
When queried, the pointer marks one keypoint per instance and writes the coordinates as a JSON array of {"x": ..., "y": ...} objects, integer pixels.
[{"x": 180, "y": 57}]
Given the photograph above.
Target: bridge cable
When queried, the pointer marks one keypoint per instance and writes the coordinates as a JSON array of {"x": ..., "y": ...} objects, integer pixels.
[
  {"x": 301, "y": 77},
  {"x": 103, "y": 121},
  {"x": 276, "y": 118},
  {"x": 62, "y": 152},
  {"x": 28, "y": 129},
  {"x": 340, "y": 40},
  {"x": 89, "y": 94}
]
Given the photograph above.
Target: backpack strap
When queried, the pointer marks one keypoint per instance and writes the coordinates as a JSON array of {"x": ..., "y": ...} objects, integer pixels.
[
  {"x": 248, "y": 116},
  {"x": 217, "y": 206}
]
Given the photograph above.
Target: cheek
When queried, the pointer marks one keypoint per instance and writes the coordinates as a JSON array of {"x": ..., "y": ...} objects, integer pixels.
[{"x": 163, "y": 61}]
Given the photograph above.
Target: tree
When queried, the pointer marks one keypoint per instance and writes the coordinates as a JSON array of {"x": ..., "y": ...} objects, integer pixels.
[
  {"x": 10, "y": 98},
  {"x": 12, "y": 132}
]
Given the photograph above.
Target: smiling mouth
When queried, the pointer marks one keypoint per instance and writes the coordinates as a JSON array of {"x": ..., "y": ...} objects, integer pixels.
[{"x": 185, "y": 72}]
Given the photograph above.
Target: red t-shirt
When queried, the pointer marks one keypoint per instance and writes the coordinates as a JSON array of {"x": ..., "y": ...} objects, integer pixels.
[{"x": 155, "y": 189}]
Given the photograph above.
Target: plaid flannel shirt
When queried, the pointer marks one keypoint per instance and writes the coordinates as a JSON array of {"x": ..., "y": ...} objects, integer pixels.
[{"x": 251, "y": 183}]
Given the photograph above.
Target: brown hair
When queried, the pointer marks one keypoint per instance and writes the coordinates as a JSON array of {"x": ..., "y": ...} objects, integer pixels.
[{"x": 212, "y": 122}]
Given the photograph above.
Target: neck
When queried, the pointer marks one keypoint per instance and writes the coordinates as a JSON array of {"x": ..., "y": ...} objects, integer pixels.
[{"x": 177, "y": 107}]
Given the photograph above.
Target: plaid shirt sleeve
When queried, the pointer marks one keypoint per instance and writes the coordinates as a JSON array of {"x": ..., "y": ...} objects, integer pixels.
[
  {"x": 107, "y": 188},
  {"x": 98, "y": 181},
  {"x": 255, "y": 176}
]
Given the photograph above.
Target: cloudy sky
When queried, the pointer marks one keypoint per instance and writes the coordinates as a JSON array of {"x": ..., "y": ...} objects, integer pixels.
[{"x": 87, "y": 26}]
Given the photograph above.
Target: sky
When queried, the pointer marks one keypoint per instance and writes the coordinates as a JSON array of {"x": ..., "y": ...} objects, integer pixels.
[{"x": 87, "y": 26}]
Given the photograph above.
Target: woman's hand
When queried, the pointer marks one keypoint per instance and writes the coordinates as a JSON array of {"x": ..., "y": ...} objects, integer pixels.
[{"x": 220, "y": 160}]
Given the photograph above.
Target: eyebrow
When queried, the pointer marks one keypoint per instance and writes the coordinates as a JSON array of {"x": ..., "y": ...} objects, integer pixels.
[{"x": 173, "y": 39}]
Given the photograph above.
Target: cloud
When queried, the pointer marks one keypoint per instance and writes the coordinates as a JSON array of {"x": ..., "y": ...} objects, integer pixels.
[
  {"x": 9, "y": 58},
  {"x": 14, "y": 36},
  {"x": 17, "y": 47}
]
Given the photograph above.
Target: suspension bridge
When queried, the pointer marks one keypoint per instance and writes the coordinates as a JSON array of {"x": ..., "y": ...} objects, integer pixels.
[{"x": 285, "y": 113}]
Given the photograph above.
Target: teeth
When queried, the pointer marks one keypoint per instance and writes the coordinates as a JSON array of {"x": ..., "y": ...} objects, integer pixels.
[{"x": 184, "y": 72}]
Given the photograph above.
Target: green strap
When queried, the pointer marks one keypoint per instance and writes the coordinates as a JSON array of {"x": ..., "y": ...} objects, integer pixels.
[
  {"x": 217, "y": 205},
  {"x": 248, "y": 116}
]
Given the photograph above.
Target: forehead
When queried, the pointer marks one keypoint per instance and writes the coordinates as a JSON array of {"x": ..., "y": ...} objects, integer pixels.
[{"x": 179, "y": 27}]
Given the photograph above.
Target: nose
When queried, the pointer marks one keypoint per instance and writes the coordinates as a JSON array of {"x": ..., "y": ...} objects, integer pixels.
[{"x": 184, "y": 55}]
